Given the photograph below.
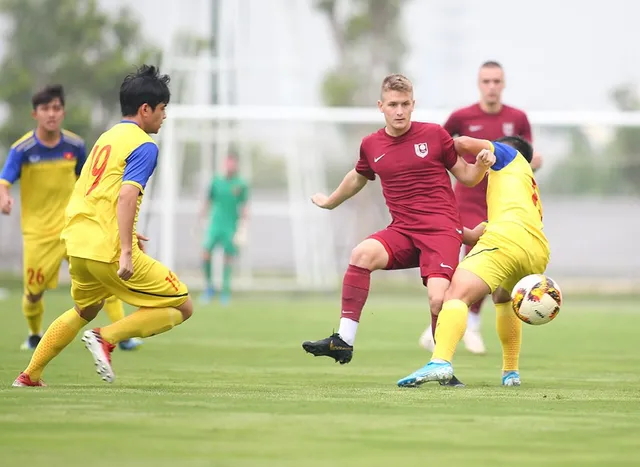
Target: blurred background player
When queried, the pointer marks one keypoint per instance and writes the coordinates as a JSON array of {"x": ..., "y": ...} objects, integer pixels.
[
  {"x": 47, "y": 161},
  {"x": 488, "y": 119},
  {"x": 105, "y": 253},
  {"x": 226, "y": 211}
]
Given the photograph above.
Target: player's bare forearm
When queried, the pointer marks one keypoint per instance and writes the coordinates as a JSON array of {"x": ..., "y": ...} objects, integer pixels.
[
  {"x": 6, "y": 201},
  {"x": 126, "y": 212},
  {"x": 468, "y": 145},
  {"x": 469, "y": 174},
  {"x": 351, "y": 184}
]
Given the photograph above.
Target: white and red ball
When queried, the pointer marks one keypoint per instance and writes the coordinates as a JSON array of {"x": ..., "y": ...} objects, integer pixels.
[{"x": 536, "y": 299}]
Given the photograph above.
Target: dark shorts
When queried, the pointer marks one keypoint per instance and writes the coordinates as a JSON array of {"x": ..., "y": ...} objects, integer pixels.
[{"x": 436, "y": 254}]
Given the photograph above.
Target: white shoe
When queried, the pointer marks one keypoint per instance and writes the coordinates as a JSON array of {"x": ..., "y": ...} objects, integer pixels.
[
  {"x": 473, "y": 342},
  {"x": 101, "y": 352},
  {"x": 426, "y": 340}
]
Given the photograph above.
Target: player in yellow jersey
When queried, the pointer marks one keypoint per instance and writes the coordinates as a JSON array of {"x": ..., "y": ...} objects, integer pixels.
[
  {"x": 100, "y": 235},
  {"x": 511, "y": 247},
  {"x": 47, "y": 161}
]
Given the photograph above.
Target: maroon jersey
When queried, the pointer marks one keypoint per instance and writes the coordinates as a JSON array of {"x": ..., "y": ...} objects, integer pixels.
[
  {"x": 413, "y": 173},
  {"x": 473, "y": 121}
]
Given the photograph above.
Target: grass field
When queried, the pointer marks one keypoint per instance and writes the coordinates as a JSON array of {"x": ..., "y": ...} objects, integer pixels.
[{"x": 232, "y": 387}]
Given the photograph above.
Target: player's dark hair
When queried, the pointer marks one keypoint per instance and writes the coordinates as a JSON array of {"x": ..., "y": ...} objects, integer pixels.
[
  {"x": 520, "y": 144},
  {"x": 47, "y": 95},
  {"x": 491, "y": 64},
  {"x": 145, "y": 86}
]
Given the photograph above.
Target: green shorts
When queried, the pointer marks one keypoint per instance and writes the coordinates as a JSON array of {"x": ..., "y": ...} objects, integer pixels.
[{"x": 217, "y": 236}]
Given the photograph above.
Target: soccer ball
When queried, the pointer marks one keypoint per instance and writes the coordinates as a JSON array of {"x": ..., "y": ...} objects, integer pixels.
[{"x": 536, "y": 299}]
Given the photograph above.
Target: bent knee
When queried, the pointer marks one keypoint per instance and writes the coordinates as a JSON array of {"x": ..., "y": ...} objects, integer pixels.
[
  {"x": 186, "y": 309},
  {"x": 501, "y": 296},
  {"x": 33, "y": 298},
  {"x": 369, "y": 254},
  {"x": 435, "y": 304},
  {"x": 90, "y": 312}
]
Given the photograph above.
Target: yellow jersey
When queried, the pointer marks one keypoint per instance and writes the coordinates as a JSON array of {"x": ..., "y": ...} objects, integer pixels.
[
  {"x": 513, "y": 197},
  {"x": 47, "y": 176},
  {"x": 124, "y": 154}
]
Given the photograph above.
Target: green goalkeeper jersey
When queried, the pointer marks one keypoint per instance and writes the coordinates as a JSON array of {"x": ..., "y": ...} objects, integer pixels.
[{"x": 227, "y": 197}]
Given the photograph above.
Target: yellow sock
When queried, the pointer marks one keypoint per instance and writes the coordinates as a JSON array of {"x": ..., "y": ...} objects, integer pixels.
[
  {"x": 34, "y": 313},
  {"x": 510, "y": 333},
  {"x": 452, "y": 323},
  {"x": 60, "y": 334},
  {"x": 114, "y": 309},
  {"x": 145, "y": 322}
]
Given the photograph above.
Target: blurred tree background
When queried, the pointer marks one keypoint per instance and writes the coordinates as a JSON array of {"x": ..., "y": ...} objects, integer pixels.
[
  {"x": 592, "y": 167},
  {"x": 369, "y": 45},
  {"x": 73, "y": 43}
]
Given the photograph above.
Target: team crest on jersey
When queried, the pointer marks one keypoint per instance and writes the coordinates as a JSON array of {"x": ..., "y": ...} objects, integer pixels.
[
  {"x": 421, "y": 149},
  {"x": 68, "y": 155},
  {"x": 507, "y": 129}
]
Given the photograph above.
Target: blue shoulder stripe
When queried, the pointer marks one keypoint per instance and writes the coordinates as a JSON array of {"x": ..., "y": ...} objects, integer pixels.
[
  {"x": 505, "y": 154},
  {"x": 25, "y": 142}
]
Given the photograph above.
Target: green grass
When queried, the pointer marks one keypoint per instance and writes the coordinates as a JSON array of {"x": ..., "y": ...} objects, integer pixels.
[{"x": 232, "y": 387}]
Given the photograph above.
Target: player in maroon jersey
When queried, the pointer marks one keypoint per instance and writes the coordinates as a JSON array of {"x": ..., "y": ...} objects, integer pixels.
[
  {"x": 488, "y": 119},
  {"x": 411, "y": 159}
]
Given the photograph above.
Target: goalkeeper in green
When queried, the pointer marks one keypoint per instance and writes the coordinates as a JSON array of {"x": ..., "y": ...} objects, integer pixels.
[{"x": 226, "y": 210}]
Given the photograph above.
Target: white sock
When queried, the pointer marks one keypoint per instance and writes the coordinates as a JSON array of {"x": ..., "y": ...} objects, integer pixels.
[
  {"x": 347, "y": 330},
  {"x": 473, "y": 322}
]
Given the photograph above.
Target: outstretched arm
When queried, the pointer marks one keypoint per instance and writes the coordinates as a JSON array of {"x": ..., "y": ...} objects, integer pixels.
[{"x": 351, "y": 184}]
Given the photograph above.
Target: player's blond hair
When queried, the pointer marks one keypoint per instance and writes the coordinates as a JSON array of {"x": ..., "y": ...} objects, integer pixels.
[{"x": 396, "y": 82}]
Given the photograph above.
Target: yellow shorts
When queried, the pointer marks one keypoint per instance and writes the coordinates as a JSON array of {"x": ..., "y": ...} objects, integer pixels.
[
  {"x": 504, "y": 256},
  {"x": 152, "y": 285},
  {"x": 42, "y": 259}
]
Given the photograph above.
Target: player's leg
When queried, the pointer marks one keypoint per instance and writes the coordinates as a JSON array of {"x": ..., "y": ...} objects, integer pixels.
[
  {"x": 481, "y": 272},
  {"x": 114, "y": 309},
  {"x": 509, "y": 329},
  {"x": 508, "y": 325},
  {"x": 208, "y": 246},
  {"x": 387, "y": 249},
  {"x": 451, "y": 325},
  {"x": 42, "y": 262},
  {"x": 439, "y": 255},
  {"x": 472, "y": 338},
  {"x": 472, "y": 213},
  {"x": 162, "y": 299},
  {"x": 437, "y": 286},
  {"x": 88, "y": 295},
  {"x": 230, "y": 254}
]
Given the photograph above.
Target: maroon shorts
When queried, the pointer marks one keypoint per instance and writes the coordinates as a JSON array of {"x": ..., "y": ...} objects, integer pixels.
[{"x": 436, "y": 254}]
